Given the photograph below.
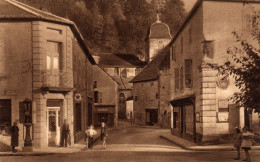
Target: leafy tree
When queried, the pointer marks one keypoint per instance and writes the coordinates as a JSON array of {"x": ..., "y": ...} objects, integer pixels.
[{"x": 244, "y": 66}]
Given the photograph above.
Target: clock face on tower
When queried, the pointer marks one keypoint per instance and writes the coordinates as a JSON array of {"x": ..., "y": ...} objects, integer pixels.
[{"x": 223, "y": 81}]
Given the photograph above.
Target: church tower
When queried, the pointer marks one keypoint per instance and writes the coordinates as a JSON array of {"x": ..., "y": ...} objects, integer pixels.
[{"x": 159, "y": 37}]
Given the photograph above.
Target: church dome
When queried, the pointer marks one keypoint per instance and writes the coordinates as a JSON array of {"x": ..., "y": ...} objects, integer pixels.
[{"x": 160, "y": 30}]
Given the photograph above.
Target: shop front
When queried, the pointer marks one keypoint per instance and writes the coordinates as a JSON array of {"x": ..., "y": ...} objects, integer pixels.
[{"x": 104, "y": 113}]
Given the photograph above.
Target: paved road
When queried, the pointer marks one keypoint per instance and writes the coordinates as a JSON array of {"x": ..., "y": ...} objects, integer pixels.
[{"x": 136, "y": 144}]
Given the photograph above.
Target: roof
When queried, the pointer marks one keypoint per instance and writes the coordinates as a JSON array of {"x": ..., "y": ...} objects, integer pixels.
[
  {"x": 196, "y": 6},
  {"x": 14, "y": 10},
  {"x": 160, "y": 30},
  {"x": 152, "y": 70},
  {"x": 119, "y": 60}
]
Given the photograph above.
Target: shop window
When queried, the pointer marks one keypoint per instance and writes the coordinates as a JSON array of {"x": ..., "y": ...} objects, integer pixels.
[
  {"x": 177, "y": 83},
  {"x": 188, "y": 73},
  {"x": 181, "y": 79},
  {"x": 5, "y": 114}
]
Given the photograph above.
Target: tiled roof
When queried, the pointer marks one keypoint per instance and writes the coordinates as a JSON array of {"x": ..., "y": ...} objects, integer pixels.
[
  {"x": 119, "y": 60},
  {"x": 160, "y": 30},
  {"x": 152, "y": 70},
  {"x": 14, "y": 10}
]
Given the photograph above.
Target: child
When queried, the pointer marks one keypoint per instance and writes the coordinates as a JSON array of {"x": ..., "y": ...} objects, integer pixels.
[
  {"x": 237, "y": 142},
  {"x": 103, "y": 134},
  {"x": 91, "y": 134}
]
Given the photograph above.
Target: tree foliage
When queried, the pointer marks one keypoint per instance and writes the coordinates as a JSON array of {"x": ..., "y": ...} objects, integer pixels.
[
  {"x": 244, "y": 66},
  {"x": 114, "y": 25}
]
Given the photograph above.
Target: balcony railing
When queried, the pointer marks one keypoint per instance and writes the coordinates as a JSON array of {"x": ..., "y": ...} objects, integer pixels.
[{"x": 57, "y": 78}]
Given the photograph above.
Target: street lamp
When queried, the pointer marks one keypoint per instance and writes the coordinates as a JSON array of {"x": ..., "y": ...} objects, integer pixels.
[{"x": 27, "y": 105}]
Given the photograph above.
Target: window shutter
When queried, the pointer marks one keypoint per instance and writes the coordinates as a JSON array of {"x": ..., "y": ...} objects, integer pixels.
[
  {"x": 177, "y": 83},
  {"x": 181, "y": 79},
  {"x": 100, "y": 97},
  {"x": 21, "y": 112},
  {"x": 188, "y": 73}
]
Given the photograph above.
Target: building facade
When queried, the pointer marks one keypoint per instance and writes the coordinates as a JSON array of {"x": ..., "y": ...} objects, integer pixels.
[
  {"x": 37, "y": 51},
  {"x": 151, "y": 91},
  {"x": 199, "y": 95},
  {"x": 105, "y": 98}
]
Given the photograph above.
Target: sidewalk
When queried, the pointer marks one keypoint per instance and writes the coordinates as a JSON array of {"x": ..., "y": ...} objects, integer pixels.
[
  {"x": 81, "y": 145},
  {"x": 193, "y": 146}
]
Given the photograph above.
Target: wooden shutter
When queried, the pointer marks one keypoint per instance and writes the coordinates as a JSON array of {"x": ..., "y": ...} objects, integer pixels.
[
  {"x": 188, "y": 73},
  {"x": 181, "y": 79},
  {"x": 21, "y": 112},
  {"x": 177, "y": 83}
]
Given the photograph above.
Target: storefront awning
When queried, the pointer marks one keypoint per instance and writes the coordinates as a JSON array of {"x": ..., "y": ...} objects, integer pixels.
[{"x": 183, "y": 100}]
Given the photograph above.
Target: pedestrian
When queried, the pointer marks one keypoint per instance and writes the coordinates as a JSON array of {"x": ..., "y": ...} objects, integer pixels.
[
  {"x": 237, "y": 142},
  {"x": 65, "y": 133},
  {"x": 86, "y": 138},
  {"x": 246, "y": 142},
  {"x": 91, "y": 134},
  {"x": 103, "y": 134},
  {"x": 131, "y": 117},
  {"x": 14, "y": 136}
]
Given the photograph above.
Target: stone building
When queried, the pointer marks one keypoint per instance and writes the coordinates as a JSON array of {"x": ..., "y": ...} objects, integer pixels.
[
  {"x": 42, "y": 59},
  {"x": 122, "y": 67},
  {"x": 105, "y": 98},
  {"x": 152, "y": 85},
  {"x": 199, "y": 95}
]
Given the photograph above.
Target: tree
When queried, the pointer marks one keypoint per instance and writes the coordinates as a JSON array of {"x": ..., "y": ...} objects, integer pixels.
[{"x": 245, "y": 66}]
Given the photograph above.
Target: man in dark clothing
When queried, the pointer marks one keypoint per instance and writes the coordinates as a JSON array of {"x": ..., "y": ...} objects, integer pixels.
[
  {"x": 14, "y": 136},
  {"x": 65, "y": 133}
]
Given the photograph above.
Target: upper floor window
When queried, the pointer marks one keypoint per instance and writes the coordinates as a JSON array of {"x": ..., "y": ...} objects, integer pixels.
[
  {"x": 95, "y": 84},
  {"x": 53, "y": 55},
  {"x": 188, "y": 73},
  {"x": 181, "y": 79},
  {"x": 190, "y": 35},
  {"x": 173, "y": 53},
  {"x": 181, "y": 44},
  {"x": 177, "y": 83}
]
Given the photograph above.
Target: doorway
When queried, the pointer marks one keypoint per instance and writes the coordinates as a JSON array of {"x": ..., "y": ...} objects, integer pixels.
[
  {"x": 53, "y": 123},
  {"x": 151, "y": 117}
]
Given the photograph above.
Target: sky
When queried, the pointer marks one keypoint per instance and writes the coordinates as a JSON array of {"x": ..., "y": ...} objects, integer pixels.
[{"x": 188, "y": 4}]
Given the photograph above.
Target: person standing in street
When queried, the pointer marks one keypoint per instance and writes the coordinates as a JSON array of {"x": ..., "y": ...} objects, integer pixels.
[
  {"x": 246, "y": 142},
  {"x": 237, "y": 142},
  {"x": 91, "y": 134},
  {"x": 65, "y": 133},
  {"x": 14, "y": 136},
  {"x": 103, "y": 134}
]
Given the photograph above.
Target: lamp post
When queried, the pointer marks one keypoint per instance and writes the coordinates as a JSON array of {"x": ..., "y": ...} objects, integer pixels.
[{"x": 27, "y": 104}]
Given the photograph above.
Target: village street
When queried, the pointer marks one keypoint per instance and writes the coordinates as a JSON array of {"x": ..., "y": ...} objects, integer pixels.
[{"x": 136, "y": 144}]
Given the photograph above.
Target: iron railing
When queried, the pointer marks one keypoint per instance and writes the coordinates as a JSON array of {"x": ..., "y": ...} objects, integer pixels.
[{"x": 57, "y": 78}]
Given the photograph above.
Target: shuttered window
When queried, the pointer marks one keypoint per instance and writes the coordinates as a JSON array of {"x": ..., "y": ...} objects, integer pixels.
[
  {"x": 177, "y": 83},
  {"x": 181, "y": 79},
  {"x": 188, "y": 73}
]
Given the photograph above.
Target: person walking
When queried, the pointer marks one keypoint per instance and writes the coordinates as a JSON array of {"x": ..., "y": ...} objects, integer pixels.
[
  {"x": 91, "y": 134},
  {"x": 65, "y": 134},
  {"x": 103, "y": 134},
  {"x": 14, "y": 136},
  {"x": 246, "y": 142},
  {"x": 237, "y": 142}
]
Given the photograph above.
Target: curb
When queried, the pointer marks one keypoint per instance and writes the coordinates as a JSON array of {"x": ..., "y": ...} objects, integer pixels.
[{"x": 196, "y": 149}]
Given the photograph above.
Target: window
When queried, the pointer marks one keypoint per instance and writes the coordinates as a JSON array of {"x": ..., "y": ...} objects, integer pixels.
[
  {"x": 5, "y": 112},
  {"x": 177, "y": 83},
  {"x": 223, "y": 111},
  {"x": 190, "y": 35},
  {"x": 100, "y": 97},
  {"x": 95, "y": 84},
  {"x": 188, "y": 73},
  {"x": 181, "y": 79},
  {"x": 181, "y": 44},
  {"x": 173, "y": 53},
  {"x": 96, "y": 96},
  {"x": 53, "y": 56}
]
